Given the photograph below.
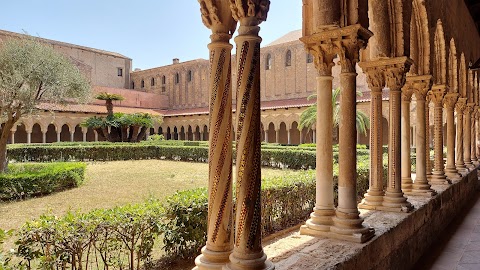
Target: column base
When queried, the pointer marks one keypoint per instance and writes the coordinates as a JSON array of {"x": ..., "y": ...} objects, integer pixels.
[
  {"x": 439, "y": 178},
  {"x": 211, "y": 259},
  {"x": 247, "y": 262},
  {"x": 320, "y": 219},
  {"x": 372, "y": 199},
  {"x": 349, "y": 227},
  {"x": 407, "y": 184},
  {"x": 395, "y": 201},
  {"x": 462, "y": 169},
  {"x": 422, "y": 188}
]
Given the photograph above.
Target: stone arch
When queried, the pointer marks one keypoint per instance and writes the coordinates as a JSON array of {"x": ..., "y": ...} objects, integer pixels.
[
  {"x": 205, "y": 133},
  {"x": 463, "y": 76},
  {"x": 283, "y": 133},
  {"x": 21, "y": 133},
  {"x": 440, "y": 65},
  {"x": 271, "y": 134},
  {"x": 51, "y": 133},
  {"x": 182, "y": 134},
  {"x": 175, "y": 133},
  {"x": 169, "y": 134},
  {"x": 452, "y": 68},
  {"x": 294, "y": 133},
  {"x": 65, "y": 133},
  {"x": 37, "y": 135},
  {"x": 78, "y": 134},
  {"x": 189, "y": 135},
  {"x": 197, "y": 133},
  {"x": 90, "y": 135},
  {"x": 419, "y": 39}
]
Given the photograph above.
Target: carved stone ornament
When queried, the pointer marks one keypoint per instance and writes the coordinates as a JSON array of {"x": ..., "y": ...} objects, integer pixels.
[
  {"x": 375, "y": 78},
  {"x": 407, "y": 92},
  {"x": 436, "y": 95},
  {"x": 461, "y": 105},
  {"x": 395, "y": 75},
  {"x": 450, "y": 100},
  {"x": 421, "y": 85},
  {"x": 250, "y": 8},
  {"x": 323, "y": 55}
]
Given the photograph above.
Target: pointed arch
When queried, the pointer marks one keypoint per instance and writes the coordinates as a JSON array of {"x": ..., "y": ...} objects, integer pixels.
[
  {"x": 440, "y": 68},
  {"x": 419, "y": 39},
  {"x": 463, "y": 76},
  {"x": 452, "y": 68}
]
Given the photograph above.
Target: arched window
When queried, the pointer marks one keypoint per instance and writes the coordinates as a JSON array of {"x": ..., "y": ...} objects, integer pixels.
[
  {"x": 177, "y": 78},
  {"x": 288, "y": 58},
  {"x": 153, "y": 82},
  {"x": 309, "y": 58},
  {"x": 189, "y": 76},
  {"x": 143, "y": 84},
  {"x": 164, "y": 80},
  {"x": 268, "y": 62}
]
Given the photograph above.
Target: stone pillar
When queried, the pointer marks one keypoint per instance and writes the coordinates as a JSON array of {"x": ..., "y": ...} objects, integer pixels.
[
  {"x": 376, "y": 82},
  {"x": 473, "y": 136},
  {"x": 44, "y": 137},
  {"x": 347, "y": 221},
  {"x": 58, "y": 135},
  {"x": 421, "y": 85},
  {"x": 72, "y": 136},
  {"x": 460, "y": 108},
  {"x": 13, "y": 136},
  {"x": 277, "y": 135},
  {"x": 194, "y": 134},
  {"x": 321, "y": 219},
  {"x": 248, "y": 252},
  {"x": 289, "y": 137},
  {"x": 427, "y": 137},
  {"x": 29, "y": 137},
  {"x": 467, "y": 136},
  {"x": 450, "y": 169},
  {"x": 266, "y": 135},
  {"x": 217, "y": 16},
  {"x": 84, "y": 134},
  {"x": 395, "y": 79},
  {"x": 438, "y": 175},
  {"x": 407, "y": 182}
]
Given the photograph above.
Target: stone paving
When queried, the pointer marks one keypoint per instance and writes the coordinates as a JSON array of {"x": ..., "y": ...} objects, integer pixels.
[{"x": 459, "y": 247}]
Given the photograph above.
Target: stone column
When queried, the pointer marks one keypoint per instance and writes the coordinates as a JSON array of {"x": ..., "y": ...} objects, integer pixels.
[
  {"x": 321, "y": 219},
  {"x": 467, "y": 136},
  {"x": 407, "y": 182},
  {"x": 95, "y": 133},
  {"x": 29, "y": 137},
  {"x": 450, "y": 169},
  {"x": 13, "y": 136},
  {"x": 289, "y": 135},
  {"x": 427, "y": 137},
  {"x": 438, "y": 175},
  {"x": 376, "y": 82},
  {"x": 72, "y": 136},
  {"x": 58, "y": 136},
  {"x": 266, "y": 135},
  {"x": 277, "y": 135},
  {"x": 395, "y": 79},
  {"x": 473, "y": 136},
  {"x": 460, "y": 108},
  {"x": 314, "y": 136},
  {"x": 217, "y": 16},
  {"x": 44, "y": 137},
  {"x": 347, "y": 221},
  {"x": 248, "y": 252},
  {"x": 84, "y": 134},
  {"x": 421, "y": 186}
]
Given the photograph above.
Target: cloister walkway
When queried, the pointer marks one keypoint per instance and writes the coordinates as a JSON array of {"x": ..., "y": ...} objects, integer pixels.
[{"x": 459, "y": 246}]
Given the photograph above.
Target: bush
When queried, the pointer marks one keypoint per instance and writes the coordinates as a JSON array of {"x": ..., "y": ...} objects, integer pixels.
[
  {"x": 5, "y": 259},
  {"x": 121, "y": 238},
  {"x": 29, "y": 180}
]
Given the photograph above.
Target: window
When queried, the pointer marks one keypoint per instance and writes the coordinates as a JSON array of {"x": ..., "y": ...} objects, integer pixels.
[
  {"x": 177, "y": 78},
  {"x": 268, "y": 62},
  {"x": 120, "y": 72},
  {"x": 164, "y": 80},
  {"x": 153, "y": 82},
  {"x": 189, "y": 76},
  {"x": 133, "y": 85},
  {"x": 288, "y": 58},
  {"x": 309, "y": 58},
  {"x": 143, "y": 84}
]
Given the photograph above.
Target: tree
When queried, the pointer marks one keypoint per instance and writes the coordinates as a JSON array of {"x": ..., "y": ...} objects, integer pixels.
[
  {"x": 32, "y": 72},
  {"x": 309, "y": 117},
  {"x": 109, "y": 98}
]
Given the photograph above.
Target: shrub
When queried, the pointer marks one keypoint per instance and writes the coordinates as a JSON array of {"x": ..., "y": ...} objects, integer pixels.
[
  {"x": 5, "y": 258},
  {"x": 28, "y": 180},
  {"x": 155, "y": 138}
]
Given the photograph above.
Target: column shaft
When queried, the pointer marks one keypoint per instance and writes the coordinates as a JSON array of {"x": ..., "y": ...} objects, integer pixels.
[
  {"x": 289, "y": 139},
  {"x": 467, "y": 137},
  {"x": 473, "y": 151},
  {"x": 450, "y": 169},
  {"x": 29, "y": 137},
  {"x": 460, "y": 164},
  {"x": 406, "y": 159},
  {"x": 427, "y": 138},
  {"x": 13, "y": 137},
  {"x": 44, "y": 137},
  {"x": 438, "y": 176},
  {"x": 277, "y": 135}
]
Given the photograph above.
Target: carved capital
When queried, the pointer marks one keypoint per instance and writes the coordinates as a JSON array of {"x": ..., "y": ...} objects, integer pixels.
[
  {"x": 450, "y": 100},
  {"x": 461, "y": 105},
  {"x": 436, "y": 95},
  {"x": 395, "y": 76},
  {"x": 257, "y": 9},
  {"x": 375, "y": 78},
  {"x": 353, "y": 39},
  {"x": 323, "y": 55},
  {"x": 421, "y": 86},
  {"x": 407, "y": 92},
  {"x": 470, "y": 107},
  {"x": 217, "y": 16}
]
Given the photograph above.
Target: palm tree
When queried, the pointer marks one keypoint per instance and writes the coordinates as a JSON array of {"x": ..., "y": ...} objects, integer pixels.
[
  {"x": 109, "y": 98},
  {"x": 309, "y": 116}
]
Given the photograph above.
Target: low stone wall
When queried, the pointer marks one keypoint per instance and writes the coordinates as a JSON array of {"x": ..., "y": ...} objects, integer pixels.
[{"x": 400, "y": 239}]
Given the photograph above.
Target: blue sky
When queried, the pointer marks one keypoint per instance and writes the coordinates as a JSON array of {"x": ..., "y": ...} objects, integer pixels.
[{"x": 151, "y": 32}]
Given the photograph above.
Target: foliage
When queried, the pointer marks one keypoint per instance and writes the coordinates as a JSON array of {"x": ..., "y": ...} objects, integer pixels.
[
  {"x": 120, "y": 238},
  {"x": 156, "y": 138},
  {"x": 309, "y": 116},
  {"x": 29, "y": 180},
  {"x": 5, "y": 258},
  {"x": 32, "y": 72}
]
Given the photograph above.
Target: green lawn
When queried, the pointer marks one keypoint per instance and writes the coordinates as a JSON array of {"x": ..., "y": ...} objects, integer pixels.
[{"x": 109, "y": 184}]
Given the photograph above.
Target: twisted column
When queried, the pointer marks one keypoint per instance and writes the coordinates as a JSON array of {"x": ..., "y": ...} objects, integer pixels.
[
  {"x": 460, "y": 108},
  {"x": 438, "y": 176},
  {"x": 407, "y": 182},
  {"x": 321, "y": 219},
  {"x": 420, "y": 185},
  {"x": 217, "y": 17},
  {"x": 395, "y": 78},
  {"x": 467, "y": 141},
  {"x": 450, "y": 169},
  {"x": 347, "y": 221},
  {"x": 376, "y": 81},
  {"x": 248, "y": 252}
]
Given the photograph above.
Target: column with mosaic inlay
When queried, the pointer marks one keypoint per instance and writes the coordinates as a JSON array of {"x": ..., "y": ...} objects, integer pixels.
[
  {"x": 460, "y": 109},
  {"x": 467, "y": 141},
  {"x": 438, "y": 176},
  {"x": 450, "y": 169},
  {"x": 216, "y": 15},
  {"x": 407, "y": 93},
  {"x": 248, "y": 252}
]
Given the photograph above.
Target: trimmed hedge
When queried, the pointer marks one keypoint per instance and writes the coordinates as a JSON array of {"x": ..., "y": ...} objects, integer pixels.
[{"x": 29, "y": 180}]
